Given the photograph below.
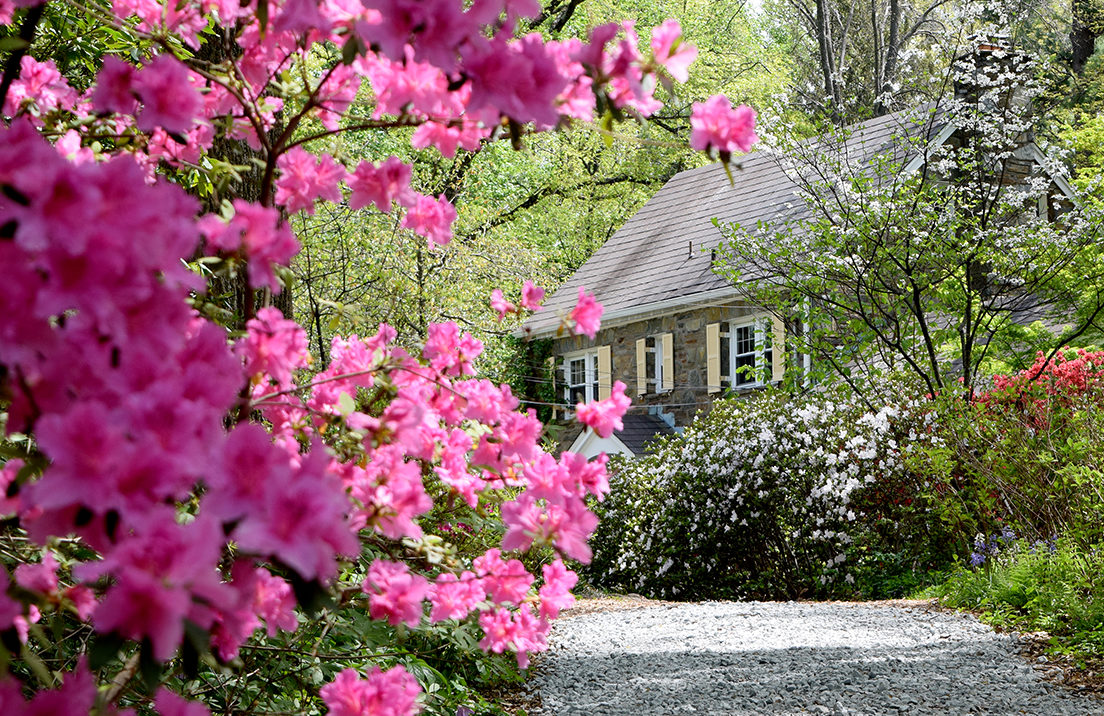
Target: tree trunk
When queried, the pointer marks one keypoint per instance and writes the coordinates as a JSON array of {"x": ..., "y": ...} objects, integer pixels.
[
  {"x": 233, "y": 293},
  {"x": 1083, "y": 34}
]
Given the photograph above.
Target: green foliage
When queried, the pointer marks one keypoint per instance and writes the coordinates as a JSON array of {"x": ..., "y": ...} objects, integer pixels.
[{"x": 1050, "y": 586}]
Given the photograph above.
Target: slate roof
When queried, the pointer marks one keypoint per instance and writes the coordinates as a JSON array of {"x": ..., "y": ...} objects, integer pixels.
[
  {"x": 662, "y": 254},
  {"x": 640, "y": 430}
]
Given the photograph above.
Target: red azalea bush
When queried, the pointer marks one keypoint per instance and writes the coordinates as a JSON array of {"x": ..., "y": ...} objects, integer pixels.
[
  {"x": 188, "y": 484},
  {"x": 1025, "y": 455}
]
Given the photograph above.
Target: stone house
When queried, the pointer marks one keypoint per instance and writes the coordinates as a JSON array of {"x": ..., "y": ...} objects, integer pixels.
[{"x": 675, "y": 333}]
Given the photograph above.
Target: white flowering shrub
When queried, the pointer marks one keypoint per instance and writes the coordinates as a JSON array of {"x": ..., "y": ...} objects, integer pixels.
[{"x": 775, "y": 496}]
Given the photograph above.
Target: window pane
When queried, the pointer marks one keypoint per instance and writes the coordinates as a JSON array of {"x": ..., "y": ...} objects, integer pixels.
[
  {"x": 578, "y": 395},
  {"x": 745, "y": 339},
  {"x": 578, "y": 371},
  {"x": 745, "y": 369},
  {"x": 726, "y": 379}
]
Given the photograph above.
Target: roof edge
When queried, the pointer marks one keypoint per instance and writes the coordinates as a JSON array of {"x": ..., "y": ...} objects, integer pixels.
[{"x": 632, "y": 314}]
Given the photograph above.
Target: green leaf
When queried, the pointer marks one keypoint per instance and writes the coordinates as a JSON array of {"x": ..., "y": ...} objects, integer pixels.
[
  {"x": 351, "y": 49},
  {"x": 103, "y": 649},
  {"x": 11, "y": 44},
  {"x": 346, "y": 405},
  {"x": 606, "y": 123},
  {"x": 149, "y": 668},
  {"x": 262, "y": 15}
]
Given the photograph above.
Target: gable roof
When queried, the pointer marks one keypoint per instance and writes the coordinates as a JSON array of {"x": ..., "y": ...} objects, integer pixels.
[
  {"x": 637, "y": 434},
  {"x": 640, "y": 430},
  {"x": 661, "y": 257}
]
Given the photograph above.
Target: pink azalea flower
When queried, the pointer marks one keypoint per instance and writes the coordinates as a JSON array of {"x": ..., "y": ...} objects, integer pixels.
[
  {"x": 384, "y": 693},
  {"x": 114, "y": 90},
  {"x": 671, "y": 52},
  {"x": 567, "y": 525},
  {"x": 555, "y": 593},
  {"x": 69, "y": 146},
  {"x": 273, "y": 346},
  {"x": 42, "y": 84},
  {"x": 380, "y": 186},
  {"x": 41, "y": 577},
  {"x": 520, "y": 631},
  {"x": 391, "y": 492},
  {"x": 520, "y": 80},
  {"x": 604, "y": 416},
  {"x": 274, "y": 601},
  {"x": 259, "y": 234},
  {"x": 408, "y": 87},
  {"x": 431, "y": 218},
  {"x": 303, "y": 521},
  {"x": 297, "y": 16},
  {"x": 23, "y": 623},
  {"x": 716, "y": 125},
  {"x": 454, "y": 597},
  {"x": 447, "y": 137},
  {"x": 83, "y": 600},
  {"x": 395, "y": 593},
  {"x": 169, "y": 99},
  {"x": 339, "y": 91},
  {"x": 590, "y": 475},
  {"x": 506, "y": 582},
  {"x": 448, "y": 351},
  {"x": 304, "y": 178},
  {"x": 500, "y": 305},
  {"x": 587, "y": 315},
  {"x": 531, "y": 296}
]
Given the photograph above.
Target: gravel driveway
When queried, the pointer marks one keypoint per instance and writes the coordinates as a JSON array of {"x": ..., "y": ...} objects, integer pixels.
[{"x": 790, "y": 658}]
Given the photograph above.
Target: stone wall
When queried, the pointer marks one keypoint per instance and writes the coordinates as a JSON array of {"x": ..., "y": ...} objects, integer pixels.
[{"x": 688, "y": 328}]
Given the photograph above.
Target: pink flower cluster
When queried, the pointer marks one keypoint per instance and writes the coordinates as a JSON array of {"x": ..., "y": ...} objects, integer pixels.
[
  {"x": 531, "y": 297},
  {"x": 604, "y": 416},
  {"x": 717, "y": 126},
  {"x": 586, "y": 317},
  {"x": 140, "y": 405},
  {"x": 384, "y": 693},
  {"x": 257, "y": 235},
  {"x": 126, "y": 390}
]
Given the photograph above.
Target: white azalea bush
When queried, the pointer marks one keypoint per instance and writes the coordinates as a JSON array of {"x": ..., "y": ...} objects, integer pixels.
[{"x": 774, "y": 496}]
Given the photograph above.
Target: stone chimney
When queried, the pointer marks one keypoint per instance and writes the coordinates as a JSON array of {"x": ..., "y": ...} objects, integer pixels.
[
  {"x": 989, "y": 74},
  {"x": 990, "y": 91}
]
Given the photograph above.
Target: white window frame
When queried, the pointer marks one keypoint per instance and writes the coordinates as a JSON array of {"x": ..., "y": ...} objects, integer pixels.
[
  {"x": 657, "y": 361},
  {"x": 590, "y": 377},
  {"x": 763, "y": 338},
  {"x": 655, "y": 383}
]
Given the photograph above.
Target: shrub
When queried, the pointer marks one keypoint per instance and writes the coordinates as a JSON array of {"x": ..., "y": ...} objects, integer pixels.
[
  {"x": 774, "y": 496},
  {"x": 1041, "y": 585},
  {"x": 1025, "y": 455}
]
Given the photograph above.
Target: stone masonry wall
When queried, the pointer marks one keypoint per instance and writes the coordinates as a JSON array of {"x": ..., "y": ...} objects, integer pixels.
[{"x": 688, "y": 330}]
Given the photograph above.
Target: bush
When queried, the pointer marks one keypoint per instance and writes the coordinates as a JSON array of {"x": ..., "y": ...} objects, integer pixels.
[
  {"x": 1027, "y": 454},
  {"x": 774, "y": 497}
]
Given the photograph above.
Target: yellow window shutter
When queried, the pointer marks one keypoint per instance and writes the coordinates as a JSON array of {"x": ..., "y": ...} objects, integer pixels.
[
  {"x": 641, "y": 366},
  {"x": 713, "y": 357},
  {"x": 605, "y": 368},
  {"x": 778, "y": 349},
  {"x": 668, "y": 341}
]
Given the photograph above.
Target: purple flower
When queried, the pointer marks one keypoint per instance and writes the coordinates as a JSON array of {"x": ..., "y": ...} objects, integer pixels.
[{"x": 976, "y": 559}]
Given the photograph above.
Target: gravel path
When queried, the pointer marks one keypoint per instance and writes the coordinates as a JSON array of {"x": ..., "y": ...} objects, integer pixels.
[{"x": 790, "y": 658}]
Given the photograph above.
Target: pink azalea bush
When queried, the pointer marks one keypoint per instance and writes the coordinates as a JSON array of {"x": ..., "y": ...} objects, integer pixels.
[{"x": 211, "y": 481}]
